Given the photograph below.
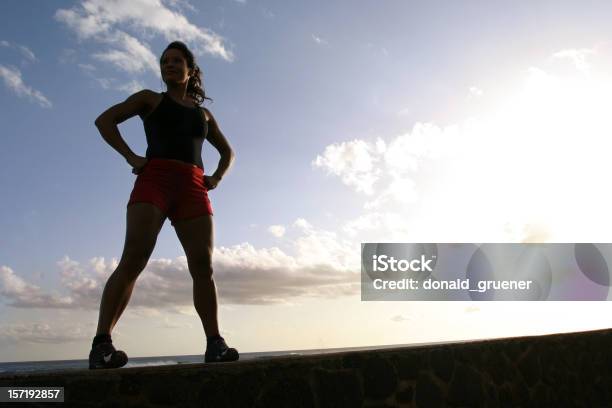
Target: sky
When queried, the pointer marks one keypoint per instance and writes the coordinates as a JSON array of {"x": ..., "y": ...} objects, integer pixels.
[{"x": 352, "y": 121}]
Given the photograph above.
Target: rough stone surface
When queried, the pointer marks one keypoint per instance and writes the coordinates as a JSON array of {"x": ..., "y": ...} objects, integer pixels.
[
  {"x": 409, "y": 364},
  {"x": 338, "y": 388},
  {"x": 380, "y": 380},
  {"x": 286, "y": 392},
  {"x": 466, "y": 387},
  {"x": 428, "y": 392},
  {"x": 405, "y": 396},
  {"x": 568, "y": 369},
  {"x": 529, "y": 366},
  {"x": 442, "y": 362}
]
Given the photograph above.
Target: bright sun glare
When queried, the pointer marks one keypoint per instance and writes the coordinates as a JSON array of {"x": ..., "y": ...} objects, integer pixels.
[{"x": 530, "y": 165}]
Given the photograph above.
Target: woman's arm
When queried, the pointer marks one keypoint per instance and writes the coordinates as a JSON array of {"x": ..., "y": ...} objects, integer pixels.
[
  {"x": 107, "y": 122},
  {"x": 218, "y": 140}
]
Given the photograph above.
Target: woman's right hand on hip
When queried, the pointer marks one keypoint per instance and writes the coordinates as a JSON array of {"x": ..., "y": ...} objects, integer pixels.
[{"x": 137, "y": 163}]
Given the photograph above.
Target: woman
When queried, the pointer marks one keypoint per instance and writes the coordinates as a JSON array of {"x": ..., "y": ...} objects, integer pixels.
[{"x": 170, "y": 183}]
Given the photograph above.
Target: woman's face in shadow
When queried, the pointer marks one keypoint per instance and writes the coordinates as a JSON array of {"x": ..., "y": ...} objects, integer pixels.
[{"x": 174, "y": 67}]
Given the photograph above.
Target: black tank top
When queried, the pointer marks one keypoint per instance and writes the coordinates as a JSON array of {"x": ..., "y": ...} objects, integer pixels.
[{"x": 175, "y": 131}]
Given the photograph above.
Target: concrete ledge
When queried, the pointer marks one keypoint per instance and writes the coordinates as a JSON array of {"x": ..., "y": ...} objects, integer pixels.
[{"x": 569, "y": 369}]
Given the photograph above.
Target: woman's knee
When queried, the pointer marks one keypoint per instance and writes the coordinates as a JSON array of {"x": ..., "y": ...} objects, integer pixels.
[
  {"x": 201, "y": 267},
  {"x": 137, "y": 254},
  {"x": 131, "y": 266}
]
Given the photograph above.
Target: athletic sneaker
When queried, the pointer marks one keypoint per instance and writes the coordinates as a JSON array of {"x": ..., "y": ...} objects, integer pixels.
[
  {"x": 217, "y": 351},
  {"x": 104, "y": 355}
]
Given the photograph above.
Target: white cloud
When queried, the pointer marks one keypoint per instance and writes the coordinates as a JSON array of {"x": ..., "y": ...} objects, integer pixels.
[
  {"x": 87, "y": 24},
  {"x": 102, "y": 268},
  {"x": 87, "y": 67},
  {"x": 45, "y": 333},
  {"x": 105, "y": 83},
  {"x": 24, "y": 294},
  {"x": 167, "y": 324},
  {"x": 475, "y": 92},
  {"x": 128, "y": 87},
  {"x": 12, "y": 283},
  {"x": 107, "y": 22},
  {"x": 302, "y": 224},
  {"x": 131, "y": 87},
  {"x": 371, "y": 220},
  {"x": 319, "y": 40},
  {"x": 25, "y": 51},
  {"x": 12, "y": 80},
  {"x": 180, "y": 4},
  {"x": 529, "y": 168},
  {"x": 326, "y": 251},
  {"x": 353, "y": 162},
  {"x": 577, "y": 56},
  {"x": 404, "y": 111},
  {"x": 276, "y": 230},
  {"x": 361, "y": 164},
  {"x": 132, "y": 56},
  {"x": 323, "y": 265}
]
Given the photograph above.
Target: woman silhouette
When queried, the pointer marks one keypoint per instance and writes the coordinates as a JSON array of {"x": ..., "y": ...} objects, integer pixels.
[{"x": 170, "y": 183}]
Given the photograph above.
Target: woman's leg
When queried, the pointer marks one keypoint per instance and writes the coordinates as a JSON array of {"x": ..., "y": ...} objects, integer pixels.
[
  {"x": 144, "y": 221},
  {"x": 196, "y": 236}
]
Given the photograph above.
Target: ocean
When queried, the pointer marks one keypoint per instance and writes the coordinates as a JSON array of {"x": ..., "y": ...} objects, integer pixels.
[{"x": 61, "y": 365}]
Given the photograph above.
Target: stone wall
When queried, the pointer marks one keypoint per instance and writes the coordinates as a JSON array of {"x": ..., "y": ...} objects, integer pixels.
[{"x": 570, "y": 369}]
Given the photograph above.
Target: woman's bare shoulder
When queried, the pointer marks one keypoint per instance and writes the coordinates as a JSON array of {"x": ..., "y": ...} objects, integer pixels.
[
  {"x": 152, "y": 99},
  {"x": 147, "y": 96},
  {"x": 151, "y": 95},
  {"x": 207, "y": 114},
  {"x": 144, "y": 93}
]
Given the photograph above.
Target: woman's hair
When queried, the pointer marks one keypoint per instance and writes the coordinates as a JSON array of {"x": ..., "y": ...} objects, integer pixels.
[{"x": 194, "y": 86}]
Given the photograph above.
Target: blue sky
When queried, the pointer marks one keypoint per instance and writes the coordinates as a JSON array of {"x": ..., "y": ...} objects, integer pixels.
[{"x": 352, "y": 121}]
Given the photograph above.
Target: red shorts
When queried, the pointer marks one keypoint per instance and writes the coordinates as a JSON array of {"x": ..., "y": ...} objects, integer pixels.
[{"x": 177, "y": 188}]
